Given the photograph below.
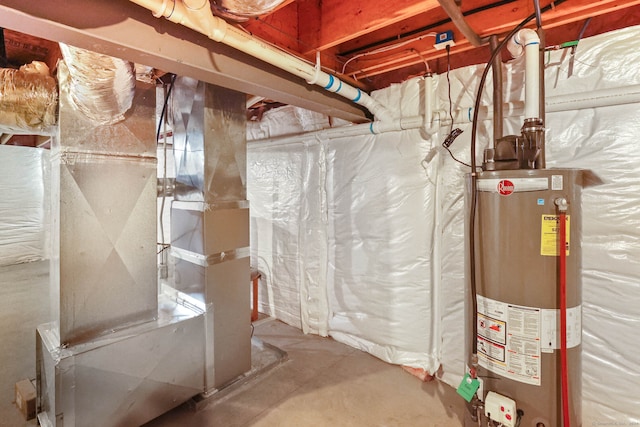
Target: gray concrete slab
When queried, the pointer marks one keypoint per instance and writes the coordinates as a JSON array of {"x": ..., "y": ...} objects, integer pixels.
[
  {"x": 325, "y": 383},
  {"x": 24, "y": 304},
  {"x": 321, "y": 383}
]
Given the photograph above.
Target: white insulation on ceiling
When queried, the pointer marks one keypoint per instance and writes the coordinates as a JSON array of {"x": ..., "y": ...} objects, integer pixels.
[{"x": 361, "y": 239}]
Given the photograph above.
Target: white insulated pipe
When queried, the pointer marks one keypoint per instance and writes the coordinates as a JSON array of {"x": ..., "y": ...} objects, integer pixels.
[
  {"x": 373, "y": 128},
  {"x": 429, "y": 126},
  {"x": 575, "y": 101},
  {"x": 428, "y": 123},
  {"x": 197, "y": 15},
  {"x": 428, "y": 101},
  {"x": 527, "y": 41}
]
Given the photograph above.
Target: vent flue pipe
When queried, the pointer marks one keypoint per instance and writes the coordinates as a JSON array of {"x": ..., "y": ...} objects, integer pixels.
[
  {"x": 197, "y": 15},
  {"x": 527, "y": 41}
]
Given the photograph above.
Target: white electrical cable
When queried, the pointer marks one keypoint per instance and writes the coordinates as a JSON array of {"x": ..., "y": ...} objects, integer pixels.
[
  {"x": 426, "y": 64},
  {"x": 387, "y": 48}
]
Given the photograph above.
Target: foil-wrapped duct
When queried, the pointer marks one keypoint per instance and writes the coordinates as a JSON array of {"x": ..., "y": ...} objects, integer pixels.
[
  {"x": 101, "y": 87},
  {"x": 28, "y": 100},
  {"x": 244, "y": 8}
]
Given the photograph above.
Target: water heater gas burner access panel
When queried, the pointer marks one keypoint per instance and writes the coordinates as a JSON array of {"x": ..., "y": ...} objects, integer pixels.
[{"x": 500, "y": 409}]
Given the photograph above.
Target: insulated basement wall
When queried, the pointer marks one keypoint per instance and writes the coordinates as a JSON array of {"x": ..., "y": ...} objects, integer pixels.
[
  {"x": 24, "y": 205},
  {"x": 333, "y": 231},
  {"x": 360, "y": 238}
]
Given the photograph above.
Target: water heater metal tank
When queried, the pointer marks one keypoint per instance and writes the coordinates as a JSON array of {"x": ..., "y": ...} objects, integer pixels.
[{"x": 517, "y": 293}]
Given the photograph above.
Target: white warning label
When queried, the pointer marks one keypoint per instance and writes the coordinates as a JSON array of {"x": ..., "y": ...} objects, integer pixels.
[
  {"x": 550, "y": 336},
  {"x": 509, "y": 340}
]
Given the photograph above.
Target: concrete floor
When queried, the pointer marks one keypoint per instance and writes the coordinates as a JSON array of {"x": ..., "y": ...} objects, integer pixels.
[
  {"x": 24, "y": 304},
  {"x": 323, "y": 382}
]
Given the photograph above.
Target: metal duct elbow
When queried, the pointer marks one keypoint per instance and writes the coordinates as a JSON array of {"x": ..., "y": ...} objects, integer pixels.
[
  {"x": 28, "y": 100},
  {"x": 101, "y": 87}
]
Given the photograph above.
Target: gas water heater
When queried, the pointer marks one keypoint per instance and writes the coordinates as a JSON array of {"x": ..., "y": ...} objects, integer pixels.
[
  {"x": 523, "y": 267},
  {"x": 519, "y": 282}
]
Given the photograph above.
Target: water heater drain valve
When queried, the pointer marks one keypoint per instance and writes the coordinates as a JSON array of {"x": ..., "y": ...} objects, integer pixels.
[{"x": 500, "y": 409}]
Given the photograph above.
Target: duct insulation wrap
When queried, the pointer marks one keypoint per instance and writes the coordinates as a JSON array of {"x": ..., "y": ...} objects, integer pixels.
[
  {"x": 101, "y": 87},
  {"x": 247, "y": 8},
  {"x": 24, "y": 205},
  {"x": 363, "y": 238},
  {"x": 28, "y": 100}
]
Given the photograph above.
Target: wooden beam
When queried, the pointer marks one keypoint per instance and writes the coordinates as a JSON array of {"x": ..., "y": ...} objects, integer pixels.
[
  {"x": 554, "y": 36},
  {"x": 342, "y": 21},
  {"x": 498, "y": 20},
  {"x": 503, "y": 19},
  {"x": 279, "y": 28}
]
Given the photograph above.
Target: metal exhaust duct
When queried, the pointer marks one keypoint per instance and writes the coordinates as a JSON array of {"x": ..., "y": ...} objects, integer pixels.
[{"x": 210, "y": 221}]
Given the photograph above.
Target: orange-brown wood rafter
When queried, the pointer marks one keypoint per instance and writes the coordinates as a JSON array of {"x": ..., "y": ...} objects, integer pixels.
[
  {"x": 342, "y": 21},
  {"x": 498, "y": 20},
  {"x": 555, "y": 36},
  {"x": 279, "y": 28},
  {"x": 22, "y": 48}
]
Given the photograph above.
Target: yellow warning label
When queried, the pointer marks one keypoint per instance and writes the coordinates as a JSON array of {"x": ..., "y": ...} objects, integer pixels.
[{"x": 550, "y": 235}]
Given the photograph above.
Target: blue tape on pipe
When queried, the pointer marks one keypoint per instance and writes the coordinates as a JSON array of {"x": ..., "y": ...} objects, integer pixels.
[
  {"x": 339, "y": 86},
  {"x": 330, "y": 82},
  {"x": 469, "y": 113},
  {"x": 357, "y": 98},
  {"x": 371, "y": 128}
]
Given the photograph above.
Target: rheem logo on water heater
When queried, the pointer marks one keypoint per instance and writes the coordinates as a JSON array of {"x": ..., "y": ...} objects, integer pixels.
[{"x": 505, "y": 187}]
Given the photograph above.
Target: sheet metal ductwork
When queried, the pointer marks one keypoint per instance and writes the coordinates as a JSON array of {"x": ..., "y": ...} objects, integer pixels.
[
  {"x": 101, "y": 87},
  {"x": 116, "y": 353},
  {"x": 210, "y": 221}
]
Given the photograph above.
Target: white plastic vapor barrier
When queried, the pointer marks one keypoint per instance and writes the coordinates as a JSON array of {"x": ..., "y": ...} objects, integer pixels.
[
  {"x": 362, "y": 239},
  {"x": 24, "y": 215},
  {"x": 380, "y": 229},
  {"x": 276, "y": 228},
  {"x": 333, "y": 231}
]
